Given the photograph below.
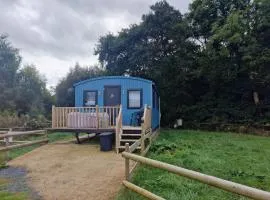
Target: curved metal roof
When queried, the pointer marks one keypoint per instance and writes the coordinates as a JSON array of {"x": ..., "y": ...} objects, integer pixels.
[{"x": 113, "y": 77}]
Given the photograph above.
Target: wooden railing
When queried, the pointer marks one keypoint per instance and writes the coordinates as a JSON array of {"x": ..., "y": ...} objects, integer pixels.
[
  {"x": 203, "y": 178},
  {"x": 118, "y": 129},
  {"x": 85, "y": 117},
  {"x": 146, "y": 129}
]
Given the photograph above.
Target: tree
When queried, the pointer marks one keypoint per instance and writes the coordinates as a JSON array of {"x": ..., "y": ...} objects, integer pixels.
[
  {"x": 9, "y": 64},
  {"x": 30, "y": 91},
  {"x": 64, "y": 90},
  {"x": 159, "y": 49},
  {"x": 210, "y": 65}
]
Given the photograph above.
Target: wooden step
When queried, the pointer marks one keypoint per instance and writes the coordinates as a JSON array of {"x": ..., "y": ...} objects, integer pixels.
[
  {"x": 132, "y": 128},
  {"x": 128, "y": 140},
  {"x": 123, "y": 147},
  {"x": 139, "y": 135}
]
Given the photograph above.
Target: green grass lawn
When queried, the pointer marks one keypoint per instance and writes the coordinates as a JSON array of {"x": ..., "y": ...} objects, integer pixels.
[{"x": 240, "y": 158}]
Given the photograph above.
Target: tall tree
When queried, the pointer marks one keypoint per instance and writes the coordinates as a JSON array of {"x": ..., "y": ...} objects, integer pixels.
[
  {"x": 30, "y": 91},
  {"x": 64, "y": 90},
  {"x": 9, "y": 64},
  {"x": 159, "y": 49}
]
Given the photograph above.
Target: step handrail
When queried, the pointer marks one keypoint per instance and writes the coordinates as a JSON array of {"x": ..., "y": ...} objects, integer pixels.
[{"x": 118, "y": 129}]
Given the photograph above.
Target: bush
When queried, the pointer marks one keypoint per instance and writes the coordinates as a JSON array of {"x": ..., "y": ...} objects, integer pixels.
[
  {"x": 38, "y": 122},
  {"x": 11, "y": 120}
]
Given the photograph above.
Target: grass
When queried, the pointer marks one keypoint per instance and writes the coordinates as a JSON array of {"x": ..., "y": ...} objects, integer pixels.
[
  {"x": 240, "y": 158},
  {"x": 53, "y": 137},
  {"x": 13, "y": 196}
]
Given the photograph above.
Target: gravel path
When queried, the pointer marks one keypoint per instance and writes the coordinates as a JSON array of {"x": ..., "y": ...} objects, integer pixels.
[
  {"x": 71, "y": 171},
  {"x": 18, "y": 182}
]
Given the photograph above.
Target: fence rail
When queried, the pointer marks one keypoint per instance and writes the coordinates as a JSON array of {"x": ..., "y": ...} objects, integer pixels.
[
  {"x": 24, "y": 144},
  {"x": 10, "y": 143},
  {"x": 203, "y": 178},
  {"x": 14, "y": 133}
]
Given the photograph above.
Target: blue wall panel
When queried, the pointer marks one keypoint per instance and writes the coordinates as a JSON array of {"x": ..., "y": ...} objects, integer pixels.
[{"x": 126, "y": 84}]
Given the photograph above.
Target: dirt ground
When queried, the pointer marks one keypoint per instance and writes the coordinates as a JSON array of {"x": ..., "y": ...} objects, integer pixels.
[{"x": 72, "y": 171}]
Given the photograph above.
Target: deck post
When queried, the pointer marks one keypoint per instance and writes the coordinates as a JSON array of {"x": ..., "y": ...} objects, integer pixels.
[
  {"x": 53, "y": 116},
  {"x": 127, "y": 162},
  {"x": 143, "y": 129},
  {"x": 97, "y": 113}
]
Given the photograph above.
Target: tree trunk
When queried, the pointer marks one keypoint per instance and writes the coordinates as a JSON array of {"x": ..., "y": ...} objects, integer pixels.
[{"x": 256, "y": 98}]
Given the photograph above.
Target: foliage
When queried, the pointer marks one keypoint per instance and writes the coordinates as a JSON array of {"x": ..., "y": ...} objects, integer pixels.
[
  {"x": 23, "y": 89},
  {"x": 9, "y": 119},
  {"x": 9, "y": 64},
  {"x": 64, "y": 89},
  {"x": 234, "y": 157},
  {"x": 210, "y": 65}
]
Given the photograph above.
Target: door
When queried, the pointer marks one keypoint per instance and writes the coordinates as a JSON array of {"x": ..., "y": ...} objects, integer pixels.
[{"x": 112, "y": 95}]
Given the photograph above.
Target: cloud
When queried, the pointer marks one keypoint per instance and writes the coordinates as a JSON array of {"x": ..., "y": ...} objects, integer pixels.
[{"x": 53, "y": 33}]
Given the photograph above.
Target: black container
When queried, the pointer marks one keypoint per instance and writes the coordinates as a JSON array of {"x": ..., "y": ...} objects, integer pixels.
[{"x": 106, "y": 141}]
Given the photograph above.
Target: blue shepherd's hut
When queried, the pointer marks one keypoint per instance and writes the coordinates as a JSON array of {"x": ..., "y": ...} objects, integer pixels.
[
  {"x": 123, "y": 105},
  {"x": 131, "y": 93}
]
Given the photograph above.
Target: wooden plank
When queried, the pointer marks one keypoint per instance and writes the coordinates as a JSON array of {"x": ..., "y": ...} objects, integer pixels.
[
  {"x": 134, "y": 146},
  {"x": 56, "y": 116},
  {"x": 3, "y": 132},
  {"x": 127, "y": 162},
  {"x": 132, "y": 128},
  {"x": 10, "y": 134},
  {"x": 142, "y": 191},
  {"x": 97, "y": 114},
  {"x": 207, "y": 179},
  {"x": 133, "y": 134},
  {"x": 53, "y": 116},
  {"x": 129, "y": 140},
  {"x": 118, "y": 129},
  {"x": 16, "y": 141},
  {"x": 7, "y": 148}
]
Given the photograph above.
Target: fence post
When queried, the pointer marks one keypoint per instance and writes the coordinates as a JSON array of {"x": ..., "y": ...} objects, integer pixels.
[
  {"x": 127, "y": 162},
  {"x": 7, "y": 140}
]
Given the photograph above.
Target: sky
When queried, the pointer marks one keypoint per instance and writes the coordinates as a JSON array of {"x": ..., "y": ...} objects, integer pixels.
[{"x": 55, "y": 34}]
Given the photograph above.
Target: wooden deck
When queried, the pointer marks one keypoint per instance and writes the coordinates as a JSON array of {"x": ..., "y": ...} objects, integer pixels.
[{"x": 98, "y": 120}]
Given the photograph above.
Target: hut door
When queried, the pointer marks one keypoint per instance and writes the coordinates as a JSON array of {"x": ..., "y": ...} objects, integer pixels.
[{"x": 112, "y": 95}]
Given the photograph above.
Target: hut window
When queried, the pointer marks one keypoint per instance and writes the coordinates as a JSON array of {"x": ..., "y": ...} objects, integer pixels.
[
  {"x": 134, "y": 99},
  {"x": 90, "y": 98}
]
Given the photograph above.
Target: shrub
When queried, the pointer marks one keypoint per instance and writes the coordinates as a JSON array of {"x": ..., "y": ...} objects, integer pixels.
[{"x": 11, "y": 120}]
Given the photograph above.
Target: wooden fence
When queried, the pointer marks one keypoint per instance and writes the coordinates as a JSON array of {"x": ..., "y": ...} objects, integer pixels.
[
  {"x": 7, "y": 138},
  {"x": 203, "y": 178}
]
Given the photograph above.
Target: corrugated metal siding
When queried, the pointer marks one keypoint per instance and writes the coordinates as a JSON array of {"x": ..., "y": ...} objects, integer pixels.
[{"x": 125, "y": 83}]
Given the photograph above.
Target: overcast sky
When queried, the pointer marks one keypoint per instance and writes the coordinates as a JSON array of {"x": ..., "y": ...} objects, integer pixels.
[{"x": 55, "y": 34}]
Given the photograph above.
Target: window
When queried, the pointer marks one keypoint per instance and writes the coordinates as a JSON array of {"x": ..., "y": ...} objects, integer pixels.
[
  {"x": 134, "y": 99},
  {"x": 90, "y": 98}
]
